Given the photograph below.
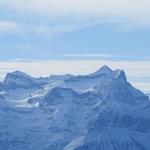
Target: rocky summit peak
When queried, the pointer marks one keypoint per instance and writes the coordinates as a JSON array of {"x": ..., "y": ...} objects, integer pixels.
[{"x": 103, "y": 70}]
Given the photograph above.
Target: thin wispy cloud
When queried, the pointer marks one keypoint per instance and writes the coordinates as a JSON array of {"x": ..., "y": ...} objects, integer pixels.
[
  {"x": 7, "y": 26},
  {"x": 101, "y": 56},
  {"x": 88, "y": 55},
  {"x": 130, "y": 9},
  {"x": 44, "y": 30},
  {"x": 53, "y": 30}
]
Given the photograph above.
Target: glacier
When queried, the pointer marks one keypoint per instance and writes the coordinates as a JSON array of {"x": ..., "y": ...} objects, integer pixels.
[{"x": 98, "y": 111}]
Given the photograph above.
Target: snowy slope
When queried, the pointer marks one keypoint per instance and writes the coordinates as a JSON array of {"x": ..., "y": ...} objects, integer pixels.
[{"x": 99, "y": 111}]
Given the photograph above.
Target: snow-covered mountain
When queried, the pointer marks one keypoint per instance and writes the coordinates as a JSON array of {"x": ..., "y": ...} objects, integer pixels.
[{"x": 99, "y": 111}]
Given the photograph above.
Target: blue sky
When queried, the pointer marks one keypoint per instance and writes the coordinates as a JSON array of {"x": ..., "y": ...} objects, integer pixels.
[
  {"x": 42, "y": 30},
  {"x": 105, "y": 39}
]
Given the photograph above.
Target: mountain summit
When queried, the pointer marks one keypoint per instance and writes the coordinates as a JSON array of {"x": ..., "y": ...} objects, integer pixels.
[{"x": 103, "y": 70}]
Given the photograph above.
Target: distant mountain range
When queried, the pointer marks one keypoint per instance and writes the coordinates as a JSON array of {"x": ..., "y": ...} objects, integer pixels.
[{"x": 99, "y": 111}]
